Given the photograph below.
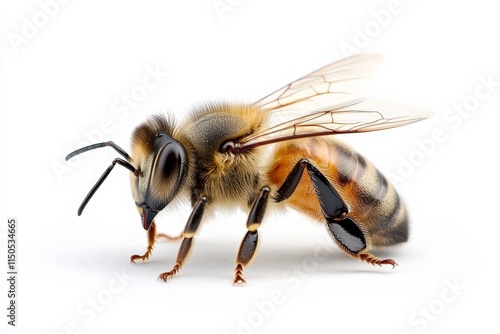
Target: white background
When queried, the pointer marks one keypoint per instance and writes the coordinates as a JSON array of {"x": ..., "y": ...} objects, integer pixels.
[{"x": 63, "y": 79}]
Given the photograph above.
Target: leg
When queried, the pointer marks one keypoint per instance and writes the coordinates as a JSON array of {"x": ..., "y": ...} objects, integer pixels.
[
  {"x": 152, "y": 237},
  {"x": 331, "y": 203},
  {"x": 151, "y": 243},
  {"x": 345, "y": 231},
  {"x": 190, "y": 230},
  {"x": 249, "y": 243},
  {"x": 169, "y": 237},
  {"x": 351, "y": 240}
]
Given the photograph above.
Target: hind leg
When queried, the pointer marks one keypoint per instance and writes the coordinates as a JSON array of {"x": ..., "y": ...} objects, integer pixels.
[
  {"x": 344, "y": 230},
  {"x": 352, "y": 240}
]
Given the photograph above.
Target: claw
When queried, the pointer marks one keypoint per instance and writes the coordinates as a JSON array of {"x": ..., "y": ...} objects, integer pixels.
[
  {"x": 164, "y": 276},
  {"x": 239, "y": 280},
  {"x": 238, "y": 275},
  {"x": 144, "y": 257},
  {"x": 133, "y": 258}
]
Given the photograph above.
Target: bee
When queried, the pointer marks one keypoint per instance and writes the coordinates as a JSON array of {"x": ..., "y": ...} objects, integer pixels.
[{"x": 275, "y": 153}]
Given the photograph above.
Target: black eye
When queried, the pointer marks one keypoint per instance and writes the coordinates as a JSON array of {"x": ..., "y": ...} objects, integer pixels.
[
  {"x": 227, "y": 147},
  {"x": 158, "y": 135},
  {"x": 169, "y": 161}
]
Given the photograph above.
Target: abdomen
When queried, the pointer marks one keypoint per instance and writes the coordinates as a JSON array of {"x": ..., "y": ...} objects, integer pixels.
[{"x": 372, "y": 200}]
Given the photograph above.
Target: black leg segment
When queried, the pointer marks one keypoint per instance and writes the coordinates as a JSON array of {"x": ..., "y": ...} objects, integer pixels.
[
  {"x": 292, "y": 180},
  {"x": 345, "y": 231},
  {"x": 248, "y": 247},
  {"x": 331, "y": 203},
  {"x": 250, "y": 240},
  {"x": 190, "y": 230},
  {"x": 194, "y": 220},
  {"x": 258, "y": 209},
  {"x": 348, "y": 234}
]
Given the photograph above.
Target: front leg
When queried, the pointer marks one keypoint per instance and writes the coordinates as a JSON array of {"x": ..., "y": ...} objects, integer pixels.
[
  {"x": 151, "y": 242},
  {"x": 250, "y": 241},
  {"x": 190, "y": 230},
  {"x": 152, "y": 237}
]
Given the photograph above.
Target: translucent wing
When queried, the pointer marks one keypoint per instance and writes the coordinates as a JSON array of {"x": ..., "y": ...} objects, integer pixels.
[
  {"x": 332, "y": 84},
  {"x": 327, "y": 102},
  {"x": 357, "y": 115}
]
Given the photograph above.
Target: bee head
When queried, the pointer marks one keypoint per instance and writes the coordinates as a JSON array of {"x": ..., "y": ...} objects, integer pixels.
[{"x": 163, "y": 165}]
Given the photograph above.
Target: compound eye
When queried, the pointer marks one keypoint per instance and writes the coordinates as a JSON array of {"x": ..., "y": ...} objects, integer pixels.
[
  {"x": 169, "y": 162},
  {"x": 227, "y": 147}
]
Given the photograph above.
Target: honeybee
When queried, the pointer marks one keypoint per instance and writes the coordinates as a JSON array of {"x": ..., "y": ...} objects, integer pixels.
[{"x": 254, "y": 156}]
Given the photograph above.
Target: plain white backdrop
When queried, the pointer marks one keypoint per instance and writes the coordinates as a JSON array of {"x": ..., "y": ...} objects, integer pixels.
[{"x": 75, "y": 72}]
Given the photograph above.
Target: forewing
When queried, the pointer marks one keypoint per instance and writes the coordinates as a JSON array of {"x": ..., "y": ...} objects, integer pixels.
[
  {"x": 357, "y": 115},
  {"x": 330, "y": 85}
]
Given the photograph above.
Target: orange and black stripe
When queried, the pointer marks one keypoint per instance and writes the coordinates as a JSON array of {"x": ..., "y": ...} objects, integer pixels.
[{"x": 372, "y": 200}]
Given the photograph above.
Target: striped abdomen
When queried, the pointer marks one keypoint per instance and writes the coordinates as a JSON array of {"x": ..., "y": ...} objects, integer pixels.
[{"x": 372, "y": 200}]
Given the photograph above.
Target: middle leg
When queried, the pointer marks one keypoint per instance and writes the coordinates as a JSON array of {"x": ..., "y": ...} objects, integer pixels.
[
  {"x": 190, "y": 230},
  {"x": 250, "y": 241}
]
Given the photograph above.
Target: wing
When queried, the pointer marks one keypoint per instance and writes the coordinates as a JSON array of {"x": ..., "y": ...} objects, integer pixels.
[
  {"x": 357, "y": 115},
  {"x": 327, "y": 102},
  {"x": 329, "y": 85}
]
